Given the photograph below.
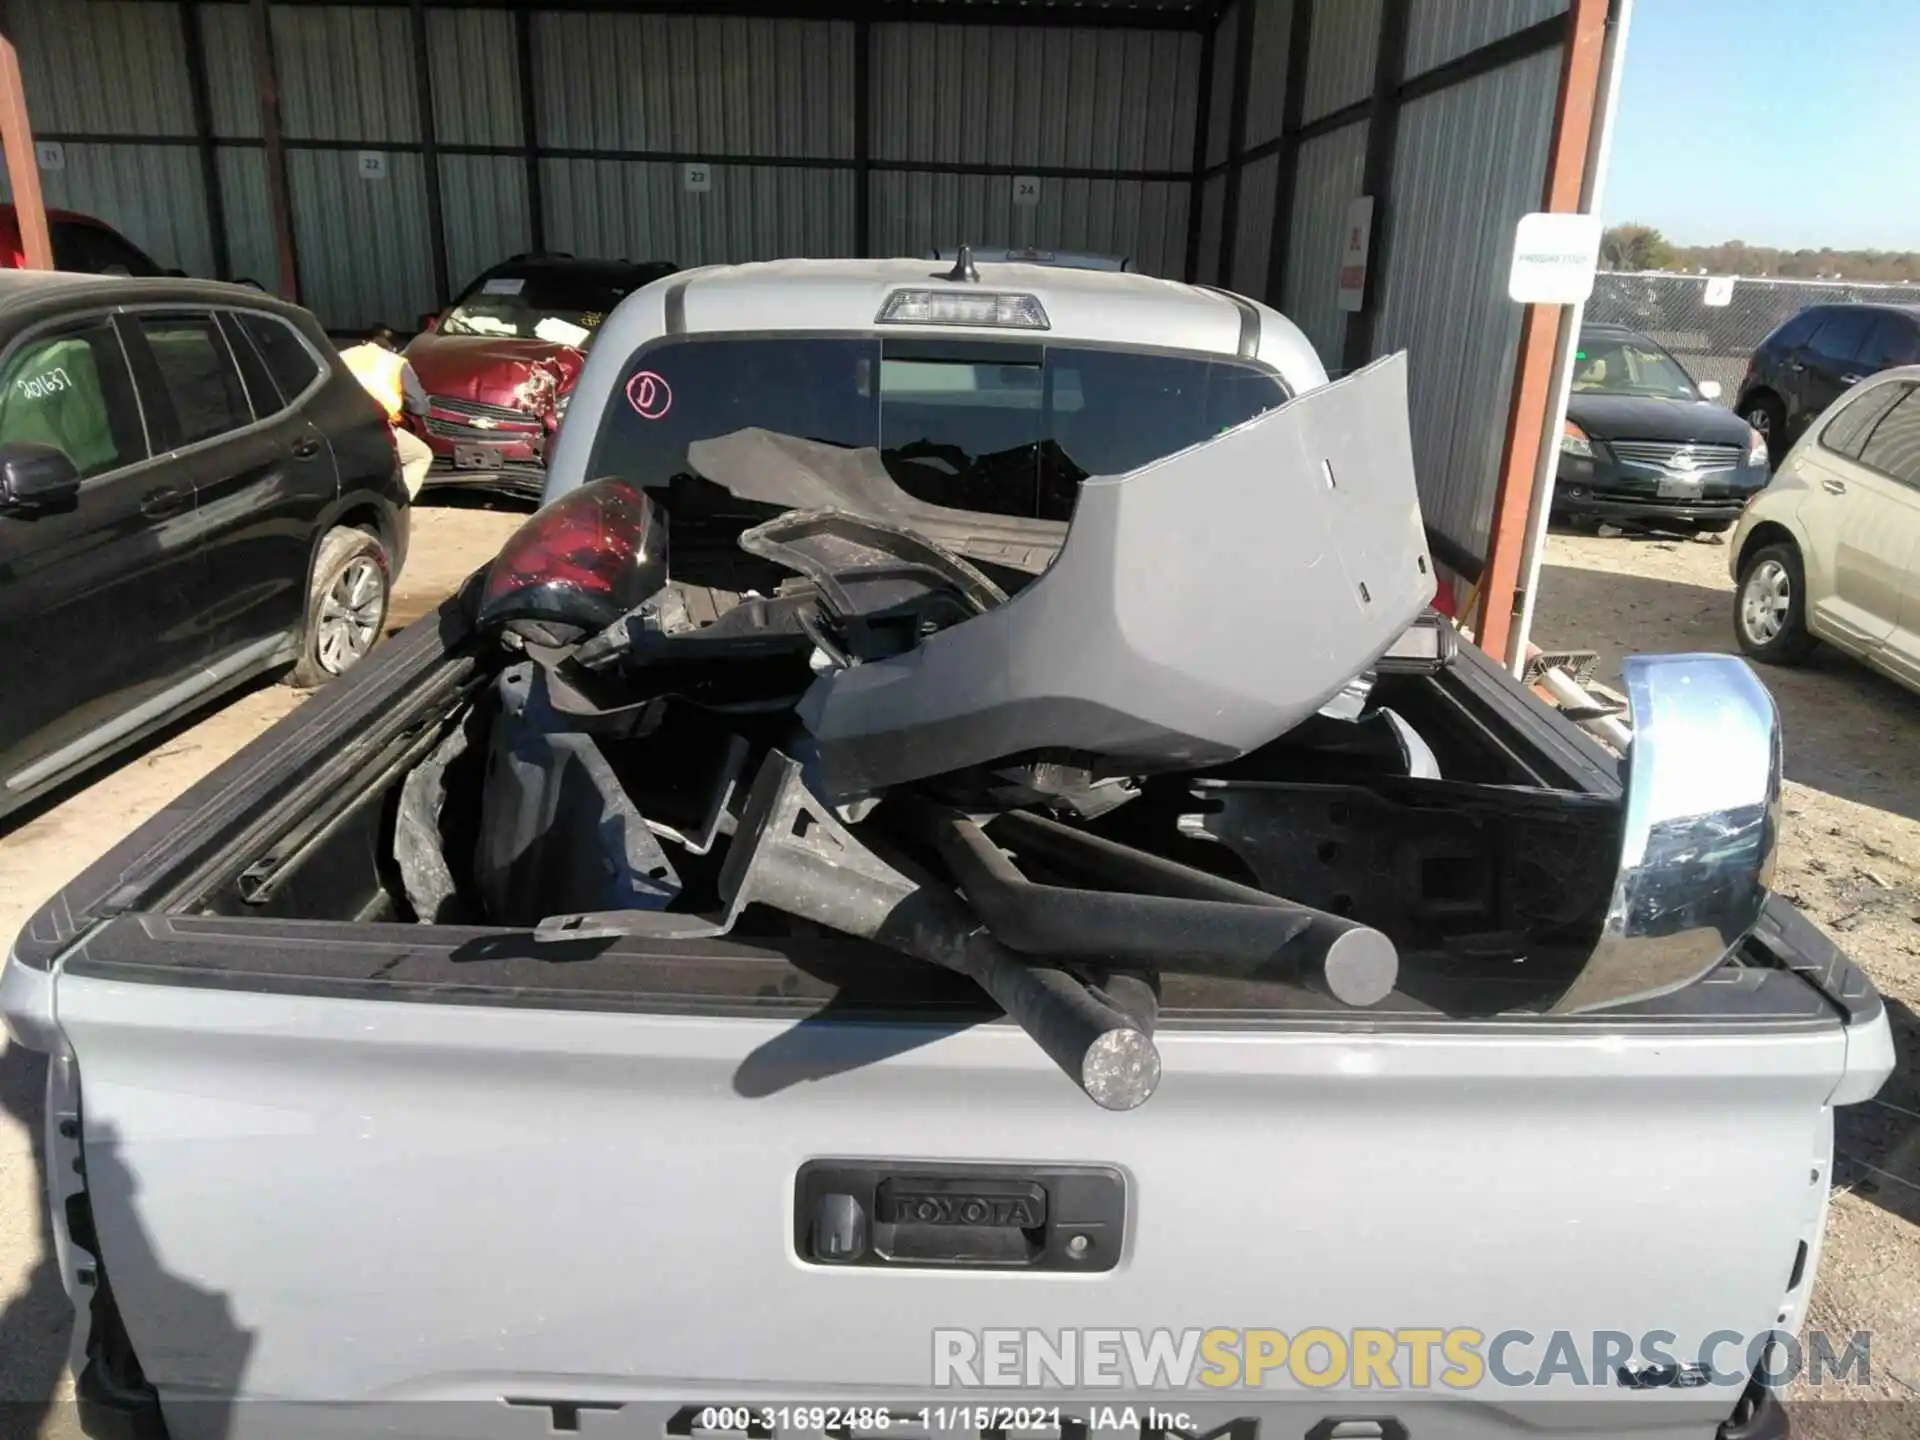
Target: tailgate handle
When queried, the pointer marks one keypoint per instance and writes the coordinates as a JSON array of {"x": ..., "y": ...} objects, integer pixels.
[
  {"x": 955, "y": 1220},
  {"x": 960, "y": 1216}
]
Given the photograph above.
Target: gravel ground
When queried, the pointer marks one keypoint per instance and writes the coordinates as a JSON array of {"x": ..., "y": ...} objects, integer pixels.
[{"x": 1850, "y": 858}]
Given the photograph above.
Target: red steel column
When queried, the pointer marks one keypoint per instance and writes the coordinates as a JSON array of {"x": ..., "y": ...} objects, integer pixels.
[
  {"x": 23, "y": 166},
  {"x": 1533, "y": 375}
]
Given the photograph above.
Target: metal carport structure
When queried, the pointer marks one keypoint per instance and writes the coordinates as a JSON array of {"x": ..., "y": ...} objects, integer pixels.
[{"x": 368, "y": 158}]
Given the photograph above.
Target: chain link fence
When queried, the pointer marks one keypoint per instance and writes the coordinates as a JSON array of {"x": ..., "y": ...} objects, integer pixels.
[{"x": 1713, "y": 324}]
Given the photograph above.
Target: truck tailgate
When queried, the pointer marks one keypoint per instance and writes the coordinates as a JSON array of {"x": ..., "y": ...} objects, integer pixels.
[{"x": 306, "y": 1198}]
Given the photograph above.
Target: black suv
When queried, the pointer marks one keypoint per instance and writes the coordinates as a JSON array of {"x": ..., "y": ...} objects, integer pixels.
[
  {"x": 1809, "y": 362},
  {"x": 193, "y": 490}
]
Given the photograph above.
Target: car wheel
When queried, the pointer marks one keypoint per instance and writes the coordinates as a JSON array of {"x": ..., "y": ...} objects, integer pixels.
[
  {"x": 346, "y": 606},
  {"x": 1770, "y": 606},
  {"x": 1769, "y": 417}
]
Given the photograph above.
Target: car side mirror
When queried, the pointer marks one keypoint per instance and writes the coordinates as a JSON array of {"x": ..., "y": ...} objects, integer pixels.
[
  {"x": 36, "y": 480},
  {"x": 1709, "y": 389},
  {"x": 428, "y": 321}
]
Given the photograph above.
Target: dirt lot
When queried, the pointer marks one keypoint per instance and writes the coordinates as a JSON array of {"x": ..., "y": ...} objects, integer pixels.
[
  {"x": 40, "y": 852},
  {"x": 1850, "y": 857}
]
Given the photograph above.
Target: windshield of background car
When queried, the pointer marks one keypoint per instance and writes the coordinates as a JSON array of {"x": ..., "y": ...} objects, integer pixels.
[
  {"x": 551, "y": 305},
  {"x": 1006, "y": 428},
  {"x": 1612, "y": 366}
]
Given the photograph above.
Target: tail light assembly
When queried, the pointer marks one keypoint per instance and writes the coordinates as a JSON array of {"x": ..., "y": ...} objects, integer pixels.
[{"x": 577, "y": 565}]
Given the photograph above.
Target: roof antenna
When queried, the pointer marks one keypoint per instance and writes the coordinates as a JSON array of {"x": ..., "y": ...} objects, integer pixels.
[{"x": 964, "y": 268}]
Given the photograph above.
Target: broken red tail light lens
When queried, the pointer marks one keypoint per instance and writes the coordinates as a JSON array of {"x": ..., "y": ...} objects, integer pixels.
[{"x": 578, "y": 565}]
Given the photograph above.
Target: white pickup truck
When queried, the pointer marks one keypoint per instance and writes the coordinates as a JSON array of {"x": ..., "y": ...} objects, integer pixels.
[{"x": 577, "y": 1019}]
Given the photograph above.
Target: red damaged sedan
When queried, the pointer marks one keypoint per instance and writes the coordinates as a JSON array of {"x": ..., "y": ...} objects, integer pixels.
[{"x": 498, "y": 367}]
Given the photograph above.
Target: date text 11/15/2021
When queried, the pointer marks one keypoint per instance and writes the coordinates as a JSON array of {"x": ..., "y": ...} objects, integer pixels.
[{"x": 755, "y": 1421}]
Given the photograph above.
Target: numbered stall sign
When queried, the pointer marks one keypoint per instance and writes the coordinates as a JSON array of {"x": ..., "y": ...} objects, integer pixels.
[
  {"x": 1026, "y": 189},
  {"x": 51, "y": 154},
  {"x": 697, "y": 177},
  {"x": 373, "y": 164}
]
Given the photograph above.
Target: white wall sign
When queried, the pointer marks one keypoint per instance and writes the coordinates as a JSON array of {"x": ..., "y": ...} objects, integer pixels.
[
  {"x": 1354, "y": 251},
  {"x": 1719, "y": 291},
  {"x": 373, "y": 164},
  {"x": 1554, "y": 257},
  {"x": 697, "y": 177},
  {"x": 51, "y": 154},
  {"x": 1026, "y": 189}
]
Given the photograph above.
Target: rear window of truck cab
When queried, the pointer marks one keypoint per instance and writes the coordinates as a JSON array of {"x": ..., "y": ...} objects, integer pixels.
[{"x": 1007, "y": 428}]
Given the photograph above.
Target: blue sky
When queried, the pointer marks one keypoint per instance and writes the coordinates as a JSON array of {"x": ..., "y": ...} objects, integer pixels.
[{"x": 1779, "y": 122}]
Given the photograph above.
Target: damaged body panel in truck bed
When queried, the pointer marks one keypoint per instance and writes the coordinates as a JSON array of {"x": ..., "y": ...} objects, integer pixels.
[{"x": 529, "y": 1035}]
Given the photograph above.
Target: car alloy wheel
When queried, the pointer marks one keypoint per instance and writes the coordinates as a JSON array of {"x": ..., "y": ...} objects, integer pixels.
[
  {"x": 350, "y": 615},
  {"x": 1760, "y": 420},
  {"x": 1765, "y": 601}
]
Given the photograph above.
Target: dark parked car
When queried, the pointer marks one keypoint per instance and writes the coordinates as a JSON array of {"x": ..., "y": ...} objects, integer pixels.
[
  {"x": 498, "y": 367},
  {"x": 193, "y": 491},
  {"x": 1644, "y": 442},
  {"x": 1809, "y": 362}
]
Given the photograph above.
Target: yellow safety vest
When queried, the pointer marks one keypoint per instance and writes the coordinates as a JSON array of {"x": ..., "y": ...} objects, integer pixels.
[{"x": 379, "y": 370}]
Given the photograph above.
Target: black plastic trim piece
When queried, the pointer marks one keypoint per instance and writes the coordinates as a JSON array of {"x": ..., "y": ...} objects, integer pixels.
[
  {"x": 1760, "y": 1415},
  {"x": 1547, "y": 747},
  {"x": 831, "y": 978},
  {"x": 1249, "y": 344},
  {"x": 1797, "y": 944},
  {"x": 674, "y": 303}
]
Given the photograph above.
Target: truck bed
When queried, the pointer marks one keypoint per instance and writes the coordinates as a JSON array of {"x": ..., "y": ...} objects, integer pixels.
[{"x": 368, "y": 1175}]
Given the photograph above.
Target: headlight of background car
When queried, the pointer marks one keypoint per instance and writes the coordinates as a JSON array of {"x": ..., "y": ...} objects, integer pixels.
[
  {"x": 1756, "y": 447},
  {"x": 1573, "y": 441}
]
